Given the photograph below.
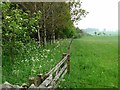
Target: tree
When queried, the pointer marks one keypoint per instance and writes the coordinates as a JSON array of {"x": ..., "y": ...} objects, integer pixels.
[
  {"x": 77, "y": 13},
  {"x": 104, "y": 33},
  {"x": 18, "y": 27},
  {"x": 99, "y": 34},
  {"x": 95, "y": 33},
  {"x": 42, "y": 21}
]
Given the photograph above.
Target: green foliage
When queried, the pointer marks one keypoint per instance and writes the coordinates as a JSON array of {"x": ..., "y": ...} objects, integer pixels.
[
  {"x": 21, "y": 21},
  {"x": 17, "y": 27},
  {"x": 80, "y": 33},
  {"x": 69, "y": 32},
  {"x": 32, "y": 61},
  {"x": 63, "y": 25},
  {"x": 17, "y": 24},
  {"x": 0, "y": 6},
  {"x": 77, "y": 13}
]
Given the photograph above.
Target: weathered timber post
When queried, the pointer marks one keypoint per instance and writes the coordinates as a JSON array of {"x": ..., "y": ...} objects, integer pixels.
[
  {"x": 39, "y": 79},
  {"x": 63, "y": 55},
  {"x": 31, "y": 81},
  {"x": 68, "y": 63},
  {"x": 68, "y": 57},
  {"x": 24, "y": 86}
]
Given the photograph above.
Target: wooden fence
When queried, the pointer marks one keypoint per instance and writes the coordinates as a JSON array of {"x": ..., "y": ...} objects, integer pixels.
[
  {"x": 54, "y": 75},
  {"x": 48, "y": 81}
]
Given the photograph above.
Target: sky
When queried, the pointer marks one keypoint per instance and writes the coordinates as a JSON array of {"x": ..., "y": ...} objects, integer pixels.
[{"x": 102, "y": 14}]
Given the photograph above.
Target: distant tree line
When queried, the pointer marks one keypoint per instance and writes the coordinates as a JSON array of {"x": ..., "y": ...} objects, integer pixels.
[{"x": 100, "y": 33}]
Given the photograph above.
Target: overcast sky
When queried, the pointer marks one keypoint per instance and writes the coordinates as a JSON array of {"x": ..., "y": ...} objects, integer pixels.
[{"x": 102, "y": 14}]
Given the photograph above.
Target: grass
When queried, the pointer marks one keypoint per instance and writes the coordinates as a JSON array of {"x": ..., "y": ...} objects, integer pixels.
[
  {"x": 31, "y": 61},
  {"x": 94, "y": 60}
]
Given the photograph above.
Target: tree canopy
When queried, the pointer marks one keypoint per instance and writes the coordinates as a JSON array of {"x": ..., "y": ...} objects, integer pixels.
[{"x": 41, "y": 22}]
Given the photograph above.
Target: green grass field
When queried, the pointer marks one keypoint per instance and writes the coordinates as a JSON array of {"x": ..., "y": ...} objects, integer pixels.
[{"x": 94, "y": 60}]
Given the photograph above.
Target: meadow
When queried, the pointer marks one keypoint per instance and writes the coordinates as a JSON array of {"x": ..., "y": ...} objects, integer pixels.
[{"x": 94, "y": 60}]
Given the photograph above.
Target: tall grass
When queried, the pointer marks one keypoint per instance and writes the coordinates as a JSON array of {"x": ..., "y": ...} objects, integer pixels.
[
  {"x": 31, "y": 61},
  {"x": 94, "y": 60}
]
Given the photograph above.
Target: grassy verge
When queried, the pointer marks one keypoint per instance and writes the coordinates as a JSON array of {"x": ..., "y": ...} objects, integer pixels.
[
  {"x": 93, "y": 60},
  {"x": 32, "y": 61}
]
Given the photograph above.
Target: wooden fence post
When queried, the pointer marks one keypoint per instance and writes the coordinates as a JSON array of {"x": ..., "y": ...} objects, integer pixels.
[
  {"x": 68, "y": 63},
  {"x": 24, "y": 86},
  {"x": 39, "y": 79},
  {"x": 31, "y": 80},
  {"x": 63, "y": 55}
]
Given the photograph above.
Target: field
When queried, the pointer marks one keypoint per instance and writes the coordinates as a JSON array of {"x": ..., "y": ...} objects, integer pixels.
[{"x": 94, "y": 60}]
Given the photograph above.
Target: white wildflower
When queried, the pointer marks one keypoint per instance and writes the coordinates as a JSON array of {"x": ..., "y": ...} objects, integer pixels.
[
  {"x": 32, "y": 58},
  {"x": 48, "y": 50},
  {"x": 22, "y": 60},
  {"x": 21, "y": 19},
  {"x": 51, "y": 60},
  {"x": 33, "y": 70},
  {"x": 44, "y": 50},
  {"x": 37, "y": 59},
  {"x": 26, "y": 60},
  {"x": 40, "y": 66},
  {"x": 45, "y": 56},
  {"x": 63, "y": 79},
  {"x": 7, "y": 17}
]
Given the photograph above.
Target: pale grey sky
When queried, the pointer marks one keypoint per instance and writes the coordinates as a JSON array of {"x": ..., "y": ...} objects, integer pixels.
[{"x": 102, "y": 14}]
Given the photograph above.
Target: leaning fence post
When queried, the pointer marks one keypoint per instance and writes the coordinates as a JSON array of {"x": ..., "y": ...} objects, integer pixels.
[
  {"x": 39, "y": 79},
  {"x": 31, "y": 80},
  {"x": 24, "y": 86},
  {"x": 68, "y": 63},
  {"x": 63, "y": 55}
]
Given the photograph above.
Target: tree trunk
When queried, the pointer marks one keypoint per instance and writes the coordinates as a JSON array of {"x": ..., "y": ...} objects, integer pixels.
[
  {"x": 53, "y": 26},
  {"x": 38, "y": 30},
  {"x": 53, "y": 36},
  {"x": 44, "y": 27},
  {"x": 45, "y": 42},
  {"x": 38, "y": 37}
]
